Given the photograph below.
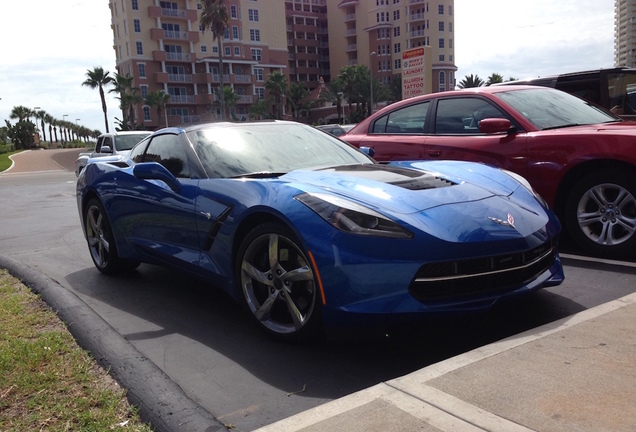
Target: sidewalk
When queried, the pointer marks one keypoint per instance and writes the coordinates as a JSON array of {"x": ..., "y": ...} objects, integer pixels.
[{"x": 575, "y": 374}]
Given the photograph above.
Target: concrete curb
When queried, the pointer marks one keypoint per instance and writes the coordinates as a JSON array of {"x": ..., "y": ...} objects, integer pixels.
[{"x": 160, "y": 401}]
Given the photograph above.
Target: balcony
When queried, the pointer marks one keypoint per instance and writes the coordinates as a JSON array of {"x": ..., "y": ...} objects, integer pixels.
[
  {"x": 416, "y": 33},
  {"x": 244, "y": 99},
  {"x": 350, "y": 17},
  {"x": 181, "y": 78},
  {"x": 416, "y": 17},
  {"x": 181, "y": 99},
  {"x": 178, "y": 14},
  {"x": 245, "y": 79},
  {"x": 352, "y": 47},
  {"x": 179, "y": 57}
]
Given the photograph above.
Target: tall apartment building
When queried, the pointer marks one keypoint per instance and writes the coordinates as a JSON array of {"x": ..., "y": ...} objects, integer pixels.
[
  {"x": 160, "y": 44},
  {"x": 625, "y": 33}
]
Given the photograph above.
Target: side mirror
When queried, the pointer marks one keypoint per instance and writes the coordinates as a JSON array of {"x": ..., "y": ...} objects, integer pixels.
[
  {"x": 495, "y": 126},
  {"x": 367, "y": 151},
  {"x": 105, "y": 149},
  {"x": 156, "y": 171}
]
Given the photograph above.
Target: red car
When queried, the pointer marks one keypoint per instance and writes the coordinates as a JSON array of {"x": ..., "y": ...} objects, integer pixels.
[{"x": 580, "y": 158}]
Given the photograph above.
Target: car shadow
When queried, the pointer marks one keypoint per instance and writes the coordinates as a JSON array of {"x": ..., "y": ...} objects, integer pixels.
[{"x": 174, "y": 304}]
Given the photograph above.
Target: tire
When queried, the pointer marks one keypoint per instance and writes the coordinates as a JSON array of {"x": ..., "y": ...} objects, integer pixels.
[
  {"x": 600, "y": 213},
  {"x": 101, "y": 242},
  {"x": 278, "y": 283}
]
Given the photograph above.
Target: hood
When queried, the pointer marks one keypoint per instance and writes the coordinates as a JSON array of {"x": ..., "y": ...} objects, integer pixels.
[{"x": 403, "y": 189}]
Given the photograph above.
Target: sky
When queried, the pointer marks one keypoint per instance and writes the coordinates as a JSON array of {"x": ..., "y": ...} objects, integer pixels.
[{"x": 49, "y": 45}]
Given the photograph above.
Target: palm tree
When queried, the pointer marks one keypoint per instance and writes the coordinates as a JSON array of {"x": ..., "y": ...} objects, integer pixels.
[
  {"x": 334, "y": 93},
  {"x": 41, "y": 115},
  {"x": 214, "y": 16},
  {"x": 231, "y": 99},
  {"x": 471, "y": 81},
  {"x": 128, "y": 98},
  {"x": 297, "y": 95},
  {"x": 49, "y": 119},
  {"x": 98, "y": 78},
  {"x": 20, "y": 113},
  {"x": 158, "y": 99},
  {"x": 276, "y": 85},
  {"x": 494, "y": 79}
]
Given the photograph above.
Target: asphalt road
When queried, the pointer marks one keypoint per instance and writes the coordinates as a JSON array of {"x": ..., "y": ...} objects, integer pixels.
[{"x": 205, "y": 343}]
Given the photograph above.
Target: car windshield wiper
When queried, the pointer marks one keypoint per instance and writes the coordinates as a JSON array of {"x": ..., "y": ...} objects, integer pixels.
[
  {"x": 260, "y": 174},
  {"x": 563, "y": 126}
]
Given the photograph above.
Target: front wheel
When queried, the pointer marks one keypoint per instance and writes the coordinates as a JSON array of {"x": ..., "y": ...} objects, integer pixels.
[
  {"x": 278, "y": 283},
  {"x": 101, "y": 242},
  {"x": 600, "y": 213}
]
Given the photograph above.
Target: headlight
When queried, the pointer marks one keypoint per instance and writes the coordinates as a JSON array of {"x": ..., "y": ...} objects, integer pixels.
[
  {"x": 527, "y": 185},
  {"x": 350, "y": 217}
]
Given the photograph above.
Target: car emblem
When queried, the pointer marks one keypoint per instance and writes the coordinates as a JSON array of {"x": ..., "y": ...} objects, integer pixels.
[{"x": 510, "y": 222}]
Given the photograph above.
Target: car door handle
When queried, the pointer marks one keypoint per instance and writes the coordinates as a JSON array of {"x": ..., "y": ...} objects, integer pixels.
[{"x": 434, "y": 153}]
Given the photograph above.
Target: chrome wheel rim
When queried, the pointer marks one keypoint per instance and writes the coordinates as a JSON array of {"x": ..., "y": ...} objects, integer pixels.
[
  {"x": 98, "y": 243},
  {"x": 278, "y": 283},
  {"x": 606, "y": 214}
]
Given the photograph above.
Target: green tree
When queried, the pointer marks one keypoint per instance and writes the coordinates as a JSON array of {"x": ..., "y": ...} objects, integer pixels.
[
  {"x": 231, "y": 99},
  {"x": 21, "y": 134},
  {"x": 41, "y": 115},
  {"x": 258, "y": 110},
  {"x": 20, "y": 113},
  {"x": 495, "y": 78},
  {"x": 276, "y": 85},
  {"x": 98, "y": 79},
  {"x": 48, "y": 119},
  {"x": 470, "y": 81},
  {"x": 128, "y": 96},
  {"x": 297, "y": 99},
  {"x": 214, "y": 16},
  {"x": 158, "y": 99}
]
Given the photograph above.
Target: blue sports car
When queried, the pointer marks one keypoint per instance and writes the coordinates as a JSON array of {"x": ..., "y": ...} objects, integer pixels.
[{"x": 312, "y": 234}]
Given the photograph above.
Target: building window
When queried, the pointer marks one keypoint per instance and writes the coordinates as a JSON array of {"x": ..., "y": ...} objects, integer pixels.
[
  {"x": 235, "y": 32},
  {"x": 146, "y": 113},
  {"x": 396, "y": 31},
  {"x": 228, "y": 51},
  {"x": 441, "y": 57},
  {"x": 233, "y": 12},
  {"x": 135, "y": 5},
  {"x": 215, "y": 49},
  {"x": 237, "y": 51},
  {"x": 142, "y": 70},
  {"x": 440, "y": 9},
  {"x": 260, "y": 92},
  {"x": 140, "y": 48},
  {"x": 137, "y": 25},
  {"x": 257, "y": 54},
  {"x": 450, "y": 43},
  {"x": 144, "y": 91},
  {"x": 396, "y": 15},
  {"x": 252, "y": 14},
  {"x": 450, "y": 27},
  {"x": 442, "y": 81},
  {"x": 441, "y": 26},
  {"x": 204, "y": 49},
  {"x": 397, "y": 64},
  {"x": 441, "y": 42},
  {"x": 258, "y": 72},
  {"x": 255, "y": 35},
  {"x": 397, "y": 48}
]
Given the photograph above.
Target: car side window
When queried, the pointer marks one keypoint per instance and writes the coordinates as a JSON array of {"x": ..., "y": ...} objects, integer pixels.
[
  {"x": 137, "y": 153},
  {"x": 108, "y": 142},
  {"x": 407, "y": 120},
  {"x": 462, "y": 115},
  {"x": 98, "y": 146},
  {"x": 168, "y": 150}
]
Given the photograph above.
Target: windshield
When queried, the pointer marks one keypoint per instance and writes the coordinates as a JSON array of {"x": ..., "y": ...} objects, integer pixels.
[
  {"x": 551, "y": 109},
  {"x": 126, "y": 142},
  {"x": 237, "y": 150}
]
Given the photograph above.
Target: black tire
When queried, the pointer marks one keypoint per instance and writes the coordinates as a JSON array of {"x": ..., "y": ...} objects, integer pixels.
[
  {"x": 600, "y": 213},
  {"x": 101, "y": 242},
  {"x": 278, "y": 284}
]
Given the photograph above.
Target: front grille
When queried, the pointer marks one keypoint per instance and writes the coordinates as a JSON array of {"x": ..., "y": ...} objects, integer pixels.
[{"x": 449, "y": 280}]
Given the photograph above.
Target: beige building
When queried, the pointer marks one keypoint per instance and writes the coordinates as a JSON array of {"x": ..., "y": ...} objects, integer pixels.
[
  {"x": 160, "y": 44},
  {"x": 625, "y": 33}
]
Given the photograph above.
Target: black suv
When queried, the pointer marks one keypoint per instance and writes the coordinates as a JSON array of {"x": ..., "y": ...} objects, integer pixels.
[{"x": 614, "y": 89}]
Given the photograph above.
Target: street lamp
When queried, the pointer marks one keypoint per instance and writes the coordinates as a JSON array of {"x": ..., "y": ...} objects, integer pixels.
[{"x": 371, "y": 54}]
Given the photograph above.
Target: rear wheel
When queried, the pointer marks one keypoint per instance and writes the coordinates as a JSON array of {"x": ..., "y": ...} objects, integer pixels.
[
  {"x": 278, "y": 283},
  {"x": 101, "y": 242},
  {"x": 600, "y": 213}
]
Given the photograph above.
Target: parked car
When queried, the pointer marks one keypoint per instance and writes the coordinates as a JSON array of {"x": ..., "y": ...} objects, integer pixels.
[
  {"x": 110, "y": 144},
  {"x": 614, "y": 89},
  {"x": 310, "y": 233},
  {"x": 333, "y": 129},
  {"x": 579, "y": 157}
]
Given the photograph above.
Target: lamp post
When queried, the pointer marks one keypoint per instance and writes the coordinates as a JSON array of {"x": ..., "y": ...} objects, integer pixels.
[{"x": 371, "y": 54}]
